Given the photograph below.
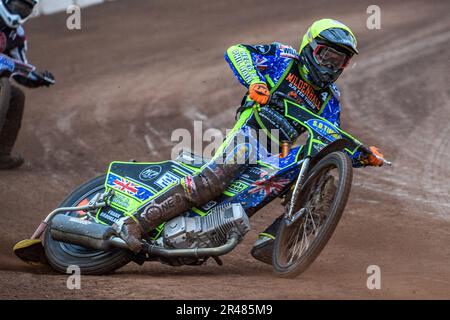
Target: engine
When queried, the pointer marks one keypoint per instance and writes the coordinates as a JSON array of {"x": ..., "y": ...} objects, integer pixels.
[{"x": 208, "y": 231}]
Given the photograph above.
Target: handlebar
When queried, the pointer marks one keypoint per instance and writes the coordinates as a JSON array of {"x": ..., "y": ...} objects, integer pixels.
[
  {"x": 367, "y": 150},
  {"x": 388, "y": 163}
]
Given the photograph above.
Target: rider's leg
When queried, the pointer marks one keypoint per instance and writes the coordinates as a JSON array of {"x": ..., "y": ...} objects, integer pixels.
[
  {"x": 10, "y": 130},
  {"x": 193, "y": 191}
]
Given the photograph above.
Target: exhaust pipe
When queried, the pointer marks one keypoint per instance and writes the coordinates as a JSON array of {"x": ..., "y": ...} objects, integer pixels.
[
  {"x": 158, "y": 251},
  {"x": 103, "y": 237},
  {"x": 84, "y": 233}
]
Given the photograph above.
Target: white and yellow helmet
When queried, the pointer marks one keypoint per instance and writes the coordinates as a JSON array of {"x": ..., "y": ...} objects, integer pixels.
[
  {"x": 16, "y": 12},
  {"x": 326, "y": 49}
]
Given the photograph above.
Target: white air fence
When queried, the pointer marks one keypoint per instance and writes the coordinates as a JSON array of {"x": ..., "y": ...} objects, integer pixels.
[{"x": 53, "y": 6}]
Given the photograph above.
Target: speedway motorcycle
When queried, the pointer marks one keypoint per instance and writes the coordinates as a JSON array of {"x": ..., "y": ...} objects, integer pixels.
[{"x": 313, "y": 180}]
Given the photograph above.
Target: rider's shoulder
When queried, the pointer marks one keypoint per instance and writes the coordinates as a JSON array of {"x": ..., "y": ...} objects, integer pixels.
[
  {"x": 335, "y": 91},
  {"x": 285, "y": 51}
]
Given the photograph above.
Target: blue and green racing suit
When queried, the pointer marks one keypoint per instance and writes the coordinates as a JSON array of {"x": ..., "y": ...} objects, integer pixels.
[{"x": 280, "y": 68}]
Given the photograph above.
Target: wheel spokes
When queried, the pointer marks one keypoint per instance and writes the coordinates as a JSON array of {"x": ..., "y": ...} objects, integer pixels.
[{"x": 300, "y": 237}]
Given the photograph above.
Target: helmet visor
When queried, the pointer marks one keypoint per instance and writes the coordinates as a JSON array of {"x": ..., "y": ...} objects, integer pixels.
[
  {"x": 22, "y": 8},
  {"x": 329, "y": 57}
]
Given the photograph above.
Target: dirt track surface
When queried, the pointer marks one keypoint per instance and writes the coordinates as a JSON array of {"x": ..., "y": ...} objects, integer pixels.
[{"x": 139, "y": 69}]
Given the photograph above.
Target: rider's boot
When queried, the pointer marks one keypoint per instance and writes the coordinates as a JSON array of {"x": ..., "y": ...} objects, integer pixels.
[
  {"x": 10, "y": 130},
  {"x": 192, "y": 191},
  {"x": 263, "y": 247},
  {"x": 9, "y": 162}
]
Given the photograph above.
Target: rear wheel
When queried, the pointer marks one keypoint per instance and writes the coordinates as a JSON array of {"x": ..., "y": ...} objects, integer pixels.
[
  {"x": 320, "y": 204},
  {"x": 61, "y": 255}
]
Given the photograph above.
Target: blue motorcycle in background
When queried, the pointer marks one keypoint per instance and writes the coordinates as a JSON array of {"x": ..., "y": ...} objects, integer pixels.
[{"x": 313, "y": 180}]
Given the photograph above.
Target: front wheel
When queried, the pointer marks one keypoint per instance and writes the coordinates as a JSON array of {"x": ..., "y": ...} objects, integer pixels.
[
  {"x": 61, "y": 255},
  {"x": 319, "y": 205}
]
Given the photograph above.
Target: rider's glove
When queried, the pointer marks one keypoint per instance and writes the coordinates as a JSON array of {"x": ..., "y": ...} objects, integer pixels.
[
  {"x": 45, "y": 78},
  {"x": 371, "y": 160},
  {"x": 259, "y": 93}
]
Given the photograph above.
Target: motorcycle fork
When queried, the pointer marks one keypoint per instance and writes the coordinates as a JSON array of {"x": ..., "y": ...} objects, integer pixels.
[{"x": 290, "y": 216}]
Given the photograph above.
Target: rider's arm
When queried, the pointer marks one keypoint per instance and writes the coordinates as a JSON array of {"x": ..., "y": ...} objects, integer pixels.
[
  {"x": 241, "y": 62},
  {"x": 259, "y": 63},
  {"x": 332, "y": 112},
  {"x": 19, "y": 52}
]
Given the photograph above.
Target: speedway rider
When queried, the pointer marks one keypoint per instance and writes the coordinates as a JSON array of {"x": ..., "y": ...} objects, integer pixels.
[
  {"x": 307, "y": 76},
  {"x": 13, "y": 13}
]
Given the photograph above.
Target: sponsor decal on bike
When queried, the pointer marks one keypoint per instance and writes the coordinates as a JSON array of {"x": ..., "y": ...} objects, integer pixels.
[
  {"x": 124, "y": 185},
  {"x": 150, "y": 173},
  {"x": 269, "y": 187},
  {"x": 236, "y": 187},
  {"x": 110, "y": 216},
  {"x": 254, "y": 173},
  {"x": 128, "y": 187},
  {"x": 324, "y": 129},
  {"x": 121, "y": 201},
  {"x": 257, "y": 170},
  {"x": 167, "y": 179},
  {"x": 158, "y": 209}
]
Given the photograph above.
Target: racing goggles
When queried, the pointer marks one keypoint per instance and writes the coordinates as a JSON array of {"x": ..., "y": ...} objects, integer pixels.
[
  {"x": 329, "y": 57},
  {"x": 23, "y": 8}
]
